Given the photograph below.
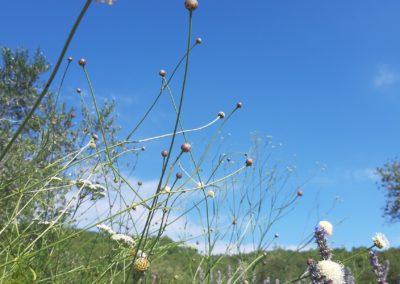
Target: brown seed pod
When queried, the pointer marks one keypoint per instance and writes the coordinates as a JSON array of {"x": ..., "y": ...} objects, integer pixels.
[
  {"x": 139, "y": 183},
  {"x": 239, "y": 105},
  {"x": 191, "y": 5},
  {"x": 300, "y": 193},
  {"x": 221, "y": 114},
  {"x": 185, "y": 147},
  {"x": 249, "y": 162},
  {"x": 69, "y": 59},
  {"x": 162, "y": 73},
  {"x": 73, "y": 115},
  {"x": 199, "y": 40},
  {"x": 179, "y": 175},
  {"x": 164, "y": 153},
  {"x": 78, "y": 90},
  {"x": 82, "y": 62}
]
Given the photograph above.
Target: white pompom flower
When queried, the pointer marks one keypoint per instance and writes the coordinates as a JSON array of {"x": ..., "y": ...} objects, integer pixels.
[
  {"x": 332, "y": 271},
  {"x": 380, "y": 241},
  {"x": 326, "y": 226}
]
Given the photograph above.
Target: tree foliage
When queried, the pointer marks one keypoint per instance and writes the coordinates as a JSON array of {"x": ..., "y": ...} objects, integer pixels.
[
  {"x": 52, "y": 133},
  {"x": 390, "y": 183}
]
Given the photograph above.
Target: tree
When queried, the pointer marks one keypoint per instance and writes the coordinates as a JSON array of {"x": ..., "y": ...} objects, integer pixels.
[
  {"x": 390, "y": 182},
  {"x": 52, "y": 133}
]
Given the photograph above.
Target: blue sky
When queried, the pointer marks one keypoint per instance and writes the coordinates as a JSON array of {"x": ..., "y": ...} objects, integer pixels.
[{"x": 323, "y": 78}]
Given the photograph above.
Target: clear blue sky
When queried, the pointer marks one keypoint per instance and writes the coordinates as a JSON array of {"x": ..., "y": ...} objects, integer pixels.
[{"x": 321, "y": 77}]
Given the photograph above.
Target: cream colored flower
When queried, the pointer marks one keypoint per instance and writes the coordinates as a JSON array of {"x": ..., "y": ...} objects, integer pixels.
[
  {"x": 331, "y": 271},
  {"x": 124, "y": 238},
  {"x": 211, "y": 194},
  {"x": 327, "y": 226},
  {"x": 380, "y": 241},
  {"x": 105, "y": 228},
  {"x": 167, "y": 189}
]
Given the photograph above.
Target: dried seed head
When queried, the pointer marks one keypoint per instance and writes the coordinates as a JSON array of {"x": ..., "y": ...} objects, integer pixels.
[
  {"x": 69, "y": 59},
  {"x": 82, "y": 62},
  {"x": 300, "y": 193},
  {"x": 141, "y": 264},
  {"x": 162, "y": 73},
  {"x": 221, "y": 114},
  {"x": 185, "y": 147},
  {"x": 164, "y": 153},
  {"x": 191, "y": 5},
  {"x": 249, "y": 162},
  {"x": 199, "y": 40},
  {"x": 179, "y": 175},
  {"x": 239, "y": 105}
]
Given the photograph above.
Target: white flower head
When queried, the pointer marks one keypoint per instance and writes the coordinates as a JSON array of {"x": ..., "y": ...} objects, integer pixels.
[
  {"x": 105, "y": 228},
  {"x": 326, "y": 226},
  {"x": 331, "y": 271},
  {"x": 211, "y": 194},
  {"x": 380, "y": 241},
  {"x": 167, "y": 189},
  {"x": 124, "y": 238}
]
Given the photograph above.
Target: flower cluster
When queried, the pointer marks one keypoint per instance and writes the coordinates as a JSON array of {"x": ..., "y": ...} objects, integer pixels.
[
  {"x": 324, "y": 228},
  {"x": 96, "y": 190},
  {"x": 380, "y": 271},
  {"x": 115, "y": 236}
]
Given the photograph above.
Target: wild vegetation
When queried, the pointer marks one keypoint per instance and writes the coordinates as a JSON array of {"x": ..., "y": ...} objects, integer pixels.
[{"x": 75, "y": 211}]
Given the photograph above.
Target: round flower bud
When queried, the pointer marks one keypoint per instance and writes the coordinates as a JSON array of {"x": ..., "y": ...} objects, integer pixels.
[
  {"x": 164, "y": 153},
  {"x": 276, "y": 236},
  {"x": 94, "y": 136},
  {"x": 141, "y": 264},
  {"x": 139, "y": 183},
  {"x": 179, "y": 175},
  {"x": 162, "y": 73},
  {"x": 72, "y": 115},
  {"x": 92, "y": 145},
  {"x": 82, "y": 62},
  {"x": 299, "y": 193},
  {"x": 191, "y": 5},
  {"x": 221, "y": 114},
  {"x": 185, "y": 147},
  {"x": 78, "y": 90},
  {"x": 211, "y": 194},
  {"x": 167, "y": 189},
  {"x": 239, "y": 105},
  {"x": 199, "y": 40},
  {"x": 249, "y": 162},
  {"x": 69, "y": 59},
  {"x": 143, "y": 148}
]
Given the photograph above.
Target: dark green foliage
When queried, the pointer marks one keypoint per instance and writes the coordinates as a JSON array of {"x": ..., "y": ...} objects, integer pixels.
[{"x": 390, "y": 182}]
